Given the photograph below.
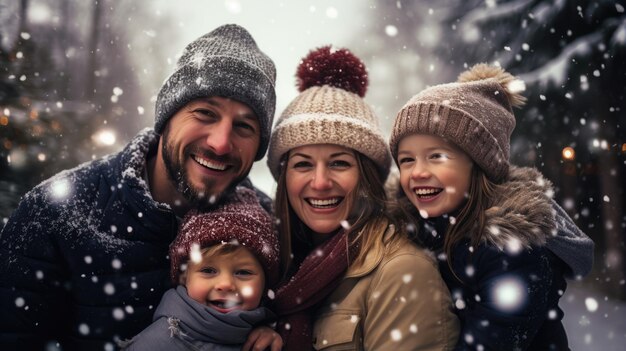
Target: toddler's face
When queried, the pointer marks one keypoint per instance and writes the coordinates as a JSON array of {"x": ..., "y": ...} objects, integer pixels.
[
  {"x": 434, "y": 174},
  {"x": 226, "y": 281}
]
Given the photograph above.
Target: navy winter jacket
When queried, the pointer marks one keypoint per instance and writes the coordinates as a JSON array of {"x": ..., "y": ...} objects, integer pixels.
[
  {"x": 83, "y": 259},
  {"x": 506, "y": 289}
]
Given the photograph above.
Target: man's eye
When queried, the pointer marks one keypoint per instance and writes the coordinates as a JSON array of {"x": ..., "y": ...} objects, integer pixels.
[
  {"x": 245, "y": 126},
  {"x": 205, "y": 113}
]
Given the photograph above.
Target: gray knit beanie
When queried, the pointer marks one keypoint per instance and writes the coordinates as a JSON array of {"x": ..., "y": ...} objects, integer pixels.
[
  {"x": 225, "y": 62},
  {"x": 475, "y": 113},
  {"x": 330, "y": 110}
]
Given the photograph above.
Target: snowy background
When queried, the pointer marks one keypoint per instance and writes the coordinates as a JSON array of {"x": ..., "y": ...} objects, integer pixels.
[{"x": 79, "y": 78}]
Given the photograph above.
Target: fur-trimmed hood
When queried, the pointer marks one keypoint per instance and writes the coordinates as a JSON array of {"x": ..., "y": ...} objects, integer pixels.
[{"x": 521, "y": 213}]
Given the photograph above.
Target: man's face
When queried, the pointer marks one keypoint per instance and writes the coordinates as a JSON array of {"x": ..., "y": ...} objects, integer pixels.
[{"x": 209, "y": 145}]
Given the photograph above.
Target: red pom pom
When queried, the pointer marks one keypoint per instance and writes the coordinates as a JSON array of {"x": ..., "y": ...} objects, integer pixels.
[{"x": 337, "y": 68}]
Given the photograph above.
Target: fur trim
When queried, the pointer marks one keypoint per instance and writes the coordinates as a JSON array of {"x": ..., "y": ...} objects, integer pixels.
[
  {"x": 522, "y": 214},
  {"x": 510, "y": 84}
]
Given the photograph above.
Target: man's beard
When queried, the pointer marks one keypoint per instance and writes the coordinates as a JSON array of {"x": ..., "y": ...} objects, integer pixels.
[{"x": 177, "y": 174}]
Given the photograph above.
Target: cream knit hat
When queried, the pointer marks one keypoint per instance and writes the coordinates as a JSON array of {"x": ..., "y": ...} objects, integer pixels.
[
  {"x": 475, "y": 113},
  {"x": 330, "y": 110}
]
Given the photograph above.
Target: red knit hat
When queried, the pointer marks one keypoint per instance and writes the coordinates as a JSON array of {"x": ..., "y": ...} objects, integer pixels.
[{"x": 241, "y": 221}]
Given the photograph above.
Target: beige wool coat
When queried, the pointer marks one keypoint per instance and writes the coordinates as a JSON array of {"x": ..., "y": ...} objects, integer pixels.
[{"x": 396, "y": 300}]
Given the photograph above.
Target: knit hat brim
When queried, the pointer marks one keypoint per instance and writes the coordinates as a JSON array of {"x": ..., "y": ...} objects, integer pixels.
[
  {"x": 247, "y": 84},
  {"x": 456, "y": 126},
  {"x": 315, "y": 128},
  {"x": 240, "y": 221}
]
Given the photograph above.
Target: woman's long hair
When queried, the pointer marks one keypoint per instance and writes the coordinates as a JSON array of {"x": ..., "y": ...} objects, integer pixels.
[{"x": 367, "y": 218}]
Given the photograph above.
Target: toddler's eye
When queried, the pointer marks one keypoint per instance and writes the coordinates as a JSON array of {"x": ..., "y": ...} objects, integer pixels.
[{"x": 208, "y": 270}]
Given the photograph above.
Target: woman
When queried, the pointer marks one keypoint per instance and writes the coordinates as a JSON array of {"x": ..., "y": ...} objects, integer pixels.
[{"x": 354, "y": 279}]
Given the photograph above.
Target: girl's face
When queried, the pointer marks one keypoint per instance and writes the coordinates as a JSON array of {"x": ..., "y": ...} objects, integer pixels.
[
  {"x": 320, "y": 180},
  {"x": 434, "y": 174},
  {"x": 226, "y": 281}
]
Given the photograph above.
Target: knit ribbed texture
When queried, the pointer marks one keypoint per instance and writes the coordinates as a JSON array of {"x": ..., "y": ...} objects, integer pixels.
[
  {"x": 225, "y": 62},
  {"x": 328, "y": 115},
  {"x": 476, "y": 116},
  {"x": 240, "y": 220}
]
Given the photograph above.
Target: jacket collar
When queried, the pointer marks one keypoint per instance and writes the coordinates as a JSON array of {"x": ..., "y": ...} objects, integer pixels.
[
  {"x": 521, "y": 214},
  {"x": 205, "y": 324},
  {"x": 372, "y": 259}
]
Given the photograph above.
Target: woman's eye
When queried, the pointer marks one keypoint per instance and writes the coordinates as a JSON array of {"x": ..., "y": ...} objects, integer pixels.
[
  {"x": 340, "y": 164},
  {"x": 301, "y": 164}
]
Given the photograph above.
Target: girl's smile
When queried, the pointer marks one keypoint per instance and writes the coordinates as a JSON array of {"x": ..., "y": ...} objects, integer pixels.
[{"x": 434, "y": 174}]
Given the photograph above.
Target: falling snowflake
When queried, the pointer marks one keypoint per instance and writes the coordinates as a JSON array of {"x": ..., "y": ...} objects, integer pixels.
[
  {"x": 118, "y": 314},
  {"x": 20, "y": 302},
  {"x": 109, "y": 289},
  {"x": 509, "y": 294},
  {"x": 83, "y": 329},
  {"x": 195, "y": 255},
  {"x": 60, "y": 188},
  {"x": 591, "y": 304},
  {"x": 396, "y": 335}
]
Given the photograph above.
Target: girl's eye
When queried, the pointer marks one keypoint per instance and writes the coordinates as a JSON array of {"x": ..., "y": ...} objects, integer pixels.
[
  {"x": 405, "y": 160},
  {"x": 439, "y": 156}
]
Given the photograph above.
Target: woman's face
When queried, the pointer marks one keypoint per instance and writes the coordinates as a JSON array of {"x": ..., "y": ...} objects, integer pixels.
[
  {"x": 320, "y": 180},
  {"x": 434, "y": 174}
]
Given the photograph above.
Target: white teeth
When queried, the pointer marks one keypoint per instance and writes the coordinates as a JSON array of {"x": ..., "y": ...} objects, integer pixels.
[
  {"x": 209, "y": 164},
  {"x": 426, "y": 191},
  {"x": 328, "y": 202},
  {"x": 226, "y": 304}
]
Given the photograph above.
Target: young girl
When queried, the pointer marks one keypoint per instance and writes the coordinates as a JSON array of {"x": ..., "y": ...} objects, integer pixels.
[{"x": 486, "y": 221}]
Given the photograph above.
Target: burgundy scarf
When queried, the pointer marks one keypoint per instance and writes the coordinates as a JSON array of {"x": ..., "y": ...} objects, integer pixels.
[{"x": 318, "y": 276}]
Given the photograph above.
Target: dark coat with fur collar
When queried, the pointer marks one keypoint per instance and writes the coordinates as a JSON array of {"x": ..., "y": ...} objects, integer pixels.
[{"x": 506, "y": 290}]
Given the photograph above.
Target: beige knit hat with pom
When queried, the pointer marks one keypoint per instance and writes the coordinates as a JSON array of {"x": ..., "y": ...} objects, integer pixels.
[
  {"x": 475, "y": 113},
  {"x": 330, "y": 110}
]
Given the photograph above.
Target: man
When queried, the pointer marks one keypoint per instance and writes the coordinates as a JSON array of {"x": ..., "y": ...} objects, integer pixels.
[{"x": 83, "y": 259}]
